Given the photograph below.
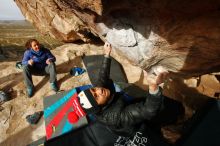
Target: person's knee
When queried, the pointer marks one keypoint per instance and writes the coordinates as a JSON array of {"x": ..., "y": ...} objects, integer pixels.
[
  {"x": 52, "y": 65},
  {"x": 25, "y": 68}
]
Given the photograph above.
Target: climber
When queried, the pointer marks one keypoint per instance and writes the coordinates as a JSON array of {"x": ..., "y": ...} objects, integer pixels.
[
  {"x": 110, "y": 108},
  {"x": 104, "y": 90},
  {"x": 38, "y": 60},
  {"x": 113, "y": 120}
]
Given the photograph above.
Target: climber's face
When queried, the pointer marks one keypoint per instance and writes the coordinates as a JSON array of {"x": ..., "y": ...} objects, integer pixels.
[
  {"x": 35, "y": 46},
  {"x": 101, "y": 95}
]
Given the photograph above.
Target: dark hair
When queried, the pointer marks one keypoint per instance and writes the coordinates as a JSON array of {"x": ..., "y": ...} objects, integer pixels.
[{"x": 28, "y": 43}]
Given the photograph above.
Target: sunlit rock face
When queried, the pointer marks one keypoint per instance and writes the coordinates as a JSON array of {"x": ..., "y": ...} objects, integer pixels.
[{"x": 181, "y": 36}]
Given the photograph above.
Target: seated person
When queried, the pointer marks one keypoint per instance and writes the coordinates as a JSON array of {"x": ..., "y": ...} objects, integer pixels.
[
  {"x": 110, "y": 108},
  {"x": 38, "y": 60}
]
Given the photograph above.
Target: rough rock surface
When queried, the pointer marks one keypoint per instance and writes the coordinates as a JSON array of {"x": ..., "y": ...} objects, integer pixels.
[{"x": 182, "y": 36}]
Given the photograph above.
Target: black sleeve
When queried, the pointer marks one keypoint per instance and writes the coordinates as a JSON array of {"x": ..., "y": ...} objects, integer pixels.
[
  {"x": 121, "y": 115},
  {"x": 104, "y": 73}
]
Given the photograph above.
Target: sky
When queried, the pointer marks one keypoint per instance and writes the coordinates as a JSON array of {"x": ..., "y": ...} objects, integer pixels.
[{"x": 10, "y": 11}]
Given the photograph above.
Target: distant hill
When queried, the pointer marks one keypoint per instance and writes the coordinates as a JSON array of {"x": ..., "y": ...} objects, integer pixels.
[
  {"x": 14, "y": 34},
  {"x": 15, "y": 23}
]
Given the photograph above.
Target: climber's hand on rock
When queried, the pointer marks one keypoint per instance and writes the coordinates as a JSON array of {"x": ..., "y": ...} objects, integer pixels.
[
  {"x": 154, "y": 80},
  {"x": 107, "y": 49}
]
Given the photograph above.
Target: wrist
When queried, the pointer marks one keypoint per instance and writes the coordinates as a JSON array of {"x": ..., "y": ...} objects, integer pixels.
[
  {"x": 153, "y": 89},
  {"x": 107, "y": 55}
]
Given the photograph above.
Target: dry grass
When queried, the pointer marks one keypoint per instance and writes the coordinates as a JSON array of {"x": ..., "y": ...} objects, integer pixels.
[{"x": 14, "y": 34}]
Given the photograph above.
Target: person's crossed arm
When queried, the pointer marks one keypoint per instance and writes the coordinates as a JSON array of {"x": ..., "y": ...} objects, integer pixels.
[{"x": 50, "y": 57}]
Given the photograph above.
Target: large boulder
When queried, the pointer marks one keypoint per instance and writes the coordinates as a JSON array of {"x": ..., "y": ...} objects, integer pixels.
[{"x": 181, "y": 36}]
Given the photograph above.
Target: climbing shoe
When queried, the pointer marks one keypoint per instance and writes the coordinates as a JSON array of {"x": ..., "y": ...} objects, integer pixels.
[
  {"x": 30, "y": 92},
  {"x": 54, "y": 86},
  {"x": 3, "y": 97}
]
